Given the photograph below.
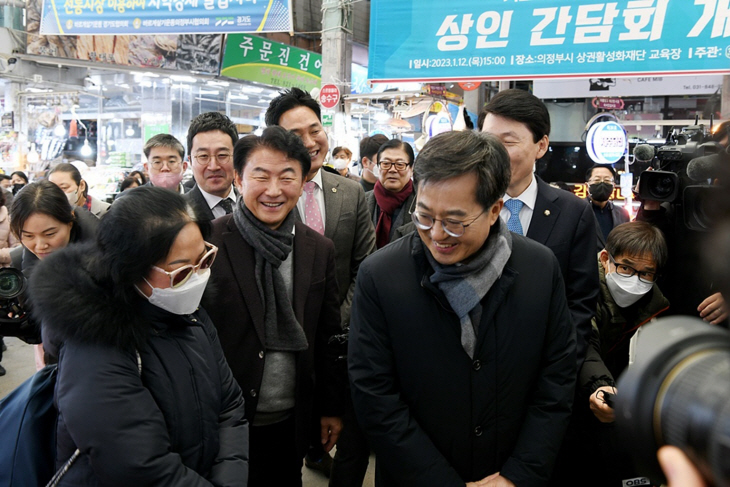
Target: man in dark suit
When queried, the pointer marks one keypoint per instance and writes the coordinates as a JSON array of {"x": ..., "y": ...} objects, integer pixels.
[
  {"x": 332, "y": 205},
  {"x": 601, "y": 181},
  {"x": 211, "y": 137},
  {"x": 276, "y": 309},
  {"x": 550, "y": 216}
]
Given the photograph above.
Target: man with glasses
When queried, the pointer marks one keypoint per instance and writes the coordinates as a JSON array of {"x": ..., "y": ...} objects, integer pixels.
[
  {"x": 165, "y": 162},
  {"x": 462, "y": 355},
  {"x": 601, "y": 181},
  {"x": 629, "y": 298},
  {"x": 211, "y": 137}
]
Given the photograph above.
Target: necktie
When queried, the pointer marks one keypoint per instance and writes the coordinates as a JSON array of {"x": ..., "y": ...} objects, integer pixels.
[
  {"x": 312, "y": 213},
  {"x": 227, "y": 205},
  {"x": 513, "y": 224}
]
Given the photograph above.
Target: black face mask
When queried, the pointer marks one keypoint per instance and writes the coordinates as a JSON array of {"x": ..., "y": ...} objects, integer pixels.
[
  {"x": 600, "y": 191},
  {"x": 17, "y": 187}
]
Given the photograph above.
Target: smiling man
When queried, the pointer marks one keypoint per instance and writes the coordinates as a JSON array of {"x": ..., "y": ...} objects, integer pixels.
[
  {"x": 277, "y": 308},
  {"x": 211, "y": 137},
  {"x": 462, "y": 354}
]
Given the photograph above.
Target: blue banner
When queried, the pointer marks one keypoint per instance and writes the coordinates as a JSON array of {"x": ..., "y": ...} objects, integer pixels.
[
  {"x": 433, "y": 40},
  {"x": 101, "y": 17}
]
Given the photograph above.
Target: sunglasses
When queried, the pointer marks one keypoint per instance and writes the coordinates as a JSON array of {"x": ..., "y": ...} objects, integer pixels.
[{"x": 180, "y": 276}]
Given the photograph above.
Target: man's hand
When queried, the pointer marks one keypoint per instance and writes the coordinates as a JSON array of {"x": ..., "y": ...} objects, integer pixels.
[
  {"x": 713, "y": 309},
  {"x": 600, "y": 409},
  {"x": 678, "y": 468},
  {"x": 330, "y": 428},
  {"x": 494, "y": 480}
]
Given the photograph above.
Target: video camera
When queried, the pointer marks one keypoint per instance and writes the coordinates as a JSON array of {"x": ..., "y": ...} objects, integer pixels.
[
  {"x": 676, "y": 393},
  {"x": 14, "y": 319},
  {"x": 687, "y": 164}
]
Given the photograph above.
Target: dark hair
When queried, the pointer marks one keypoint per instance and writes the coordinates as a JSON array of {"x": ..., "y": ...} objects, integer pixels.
[
  {"x": 20, "y": 174},
  {"x": 39, "y": 197},
  {"x": 142, "y": 177},
  {"x": 398, "y": 144},
  {"x": 637, "y": 238},
  {"x": 127, "y": 182},
  {"x": 453, "y": 154},
  {"x": 73, "y": 171},
  {"x": 3, "y": 199},
  {"x": 337, "y": 150},
  {"x": 208, "y": 122},
  {"x": 288, "y": 100},
  {"x": 3, "y": 177},
  {"x": 589, "y": 172},
  {"x": 137, "y": 232},
  {"x": 163, "y": 140},
  {"x": 273, "y": 138},
  {"x": 520, "y": 106},
  {"x": 369, "y": 146}
]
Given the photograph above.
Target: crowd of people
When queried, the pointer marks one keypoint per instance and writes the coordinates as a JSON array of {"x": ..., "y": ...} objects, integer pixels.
[{"x": 451, "y": 312}]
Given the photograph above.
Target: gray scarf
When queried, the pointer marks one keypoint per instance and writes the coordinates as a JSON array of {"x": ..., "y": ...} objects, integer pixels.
[
  {"x": 283, "y": 332},
  {"x": 465, "y": 285}
]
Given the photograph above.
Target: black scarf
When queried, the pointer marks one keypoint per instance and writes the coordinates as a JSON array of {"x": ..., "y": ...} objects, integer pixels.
[{"x": 283, "y": 332}]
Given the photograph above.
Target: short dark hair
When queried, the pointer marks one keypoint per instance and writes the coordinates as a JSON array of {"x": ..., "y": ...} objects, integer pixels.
[
  {"x": 398, "y": 144},
  {"x": 637, "y": 238},
  {"x": 39, "y": 197},
  {"x": 142, "y": 177},
  {"x": 208, "y": 122},
  {"x": 127, "y": 182},
  {"x": 72, "y": 171},
  {"x": 137, "y": 232},
  {"x": 273, "y": 138},
  {"x": 163, "y": 140},
  {"x": 453, "y": 154},
  {"x": 20, "y": 174},
  {"x": 369, "y": 146},
  {"x": 589, "y": 172},
  {"x": 288, "y": 100},
  {"x": 3, "y": 177},
  {"x": 520, "y": 106},
  {"x": 339, "y": 149}
]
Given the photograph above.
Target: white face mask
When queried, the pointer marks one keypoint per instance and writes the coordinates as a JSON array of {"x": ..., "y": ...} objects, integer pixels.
[
  {"x": 376, "y": 171},
  {"x": 626, "y": 290},
  {"x": 73, "y": 197},
  {"x": 182, "y": 300},
  {"x": 340, "y": 164}
]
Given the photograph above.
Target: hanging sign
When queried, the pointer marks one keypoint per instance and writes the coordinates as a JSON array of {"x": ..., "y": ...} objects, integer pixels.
[
  {"x": 103, "y": 17},
  {"x": 606, "y": 142},
  {"x": 474, "y": 40},
  {"x": 329, "y": 96},
  {"x": 605, "y": 103}
]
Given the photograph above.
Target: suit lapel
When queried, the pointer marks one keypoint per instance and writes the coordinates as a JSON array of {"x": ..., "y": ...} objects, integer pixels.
[
  {"x": 545, "y": 214},
  {"x": 243, "y": 262},
  {"x": 201, "y": 202},
  {"x": 332, "y": 203},
  {"x": 304, "y": 249}
]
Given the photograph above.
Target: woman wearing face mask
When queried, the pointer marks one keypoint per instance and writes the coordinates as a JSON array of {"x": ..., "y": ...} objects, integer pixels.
[
  {"x": 18, "y": 179},
  {"x": 392, "y": 200},
  {"x": 341, "y": 158},
  {"x": 143, "y": 392},
  {"x": 68, "y": 178}
]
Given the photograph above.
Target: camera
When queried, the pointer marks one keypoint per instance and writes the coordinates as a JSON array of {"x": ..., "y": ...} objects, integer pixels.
[
  {"x": 14, "y": 319},
  {"x": 676, "y": 393}
]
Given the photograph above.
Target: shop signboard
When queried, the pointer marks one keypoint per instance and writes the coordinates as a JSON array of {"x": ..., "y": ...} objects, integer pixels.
[
  {"x": 638, "y": 86},
  {"x": 7, "y": 121},
  {"x": 329, "y": 96},
  {"x": 606, "y": 142},
  {"x": 134, "y": 17},
  {"x": 152, "y": 129},
  {"x": 495, "y": 39},
  {"x": 254, "y": 58}
]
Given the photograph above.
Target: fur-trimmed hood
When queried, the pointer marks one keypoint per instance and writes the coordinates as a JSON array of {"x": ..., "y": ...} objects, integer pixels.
[{"x": 71, "y": 303}]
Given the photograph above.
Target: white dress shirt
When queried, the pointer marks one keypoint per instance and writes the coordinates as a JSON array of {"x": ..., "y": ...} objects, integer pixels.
[
  {"x": 528, "y": 198},
  {"x": 213, "y": 201},
  {"x": 318, "y": 197}
]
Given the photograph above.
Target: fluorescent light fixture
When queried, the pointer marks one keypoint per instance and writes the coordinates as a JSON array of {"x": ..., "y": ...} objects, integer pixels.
[
  {"x": 209, "y": 92},
  {"x": 239, "y": 97},
  {"x": 251, "y": 89},
  {"x": 183, "y": 79},
  {"x": 217, "y": 83}
]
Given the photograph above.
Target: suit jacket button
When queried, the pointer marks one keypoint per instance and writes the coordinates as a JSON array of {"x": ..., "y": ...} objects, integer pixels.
[
  {"x": 478, "y": 431},
  {"x": 261, "y": 354},
  {"x": 253, "y": 392},
  {"x": 476, "y": 365}
]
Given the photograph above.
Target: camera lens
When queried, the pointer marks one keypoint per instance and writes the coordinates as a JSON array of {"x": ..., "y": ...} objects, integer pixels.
[
  {"x": 676, "y": 393},
  {"x": 662, "y": 187},
  {"x": 12, "y": 283}
]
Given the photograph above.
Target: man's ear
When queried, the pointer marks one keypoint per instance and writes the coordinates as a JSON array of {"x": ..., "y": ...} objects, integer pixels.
[
  {"x": 603, "y": 258},
  {"x": 543, "y": 145}
]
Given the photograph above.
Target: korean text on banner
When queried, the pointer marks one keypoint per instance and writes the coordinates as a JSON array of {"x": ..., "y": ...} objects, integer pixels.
[
  {"x": 101, "y": 17},
  {"x": 497, "y": 39}
]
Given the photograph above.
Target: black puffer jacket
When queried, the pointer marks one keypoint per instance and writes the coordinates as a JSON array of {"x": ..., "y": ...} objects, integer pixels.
[{"x": 178, "y": 422}]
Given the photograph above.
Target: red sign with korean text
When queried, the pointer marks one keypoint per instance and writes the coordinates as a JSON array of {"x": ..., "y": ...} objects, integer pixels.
[{"x": 329, "y": 96}]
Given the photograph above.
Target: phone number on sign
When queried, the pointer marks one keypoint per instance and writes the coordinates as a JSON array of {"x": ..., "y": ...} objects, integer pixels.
[{"x": 476, "y": 61}]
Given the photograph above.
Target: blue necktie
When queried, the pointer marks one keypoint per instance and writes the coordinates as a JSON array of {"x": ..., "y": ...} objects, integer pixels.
[{"x": 513, "y": 224}]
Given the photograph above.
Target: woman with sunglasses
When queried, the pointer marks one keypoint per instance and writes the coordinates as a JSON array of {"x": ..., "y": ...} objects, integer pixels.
[{"x": 143, "y": 392}]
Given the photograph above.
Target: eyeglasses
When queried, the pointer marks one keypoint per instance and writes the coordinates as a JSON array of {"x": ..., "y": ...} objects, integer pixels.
[
  {"x": 386, "y": 164},
  {"x": 628, "y": 271},
  {"x": 221, "y": 158},
  {"x": 172, "y": 164},
  {"x": 455, "y": 228},
  {"x": 598, "y": 180},
  {"x": 180, "y": 276}
]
